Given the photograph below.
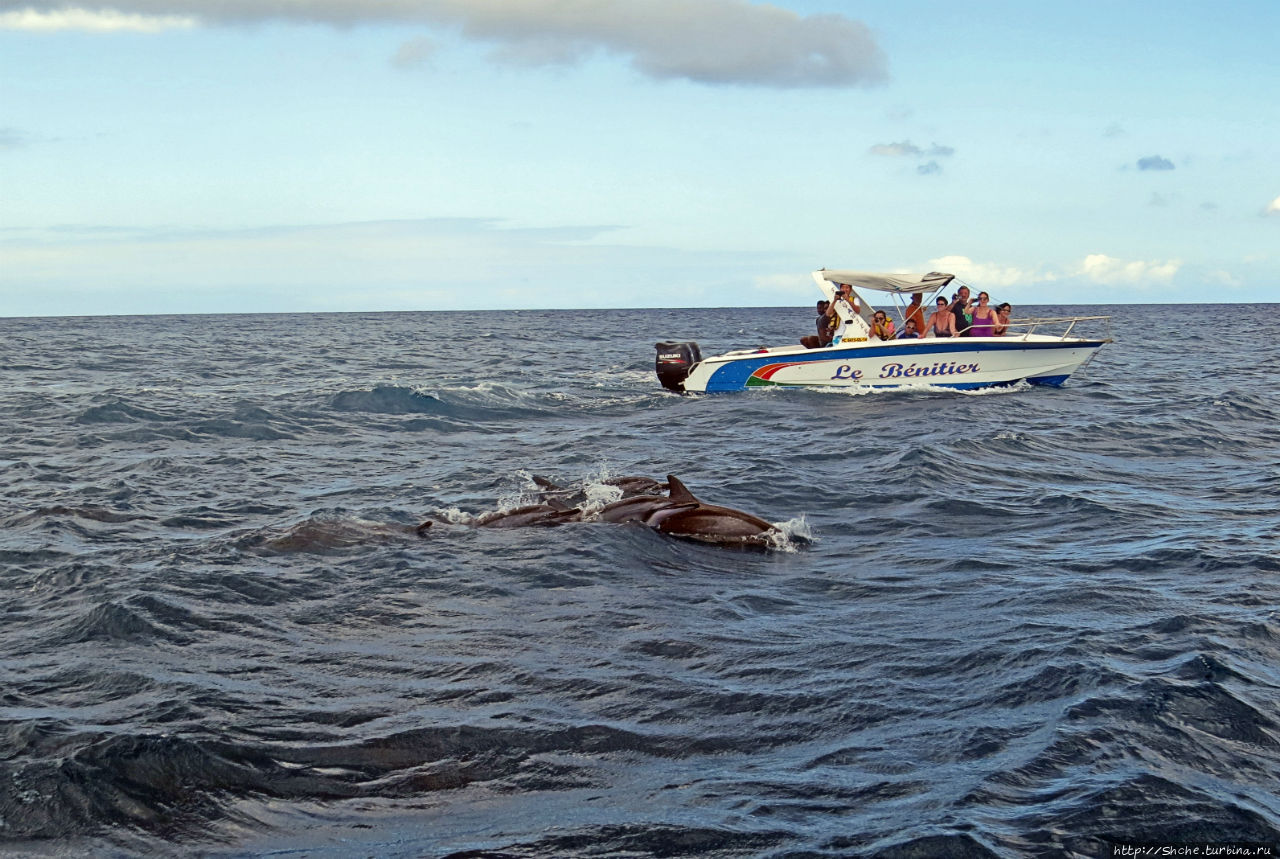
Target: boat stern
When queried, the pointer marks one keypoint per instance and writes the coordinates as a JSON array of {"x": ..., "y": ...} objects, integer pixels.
[{"x": 674, "y": 363}]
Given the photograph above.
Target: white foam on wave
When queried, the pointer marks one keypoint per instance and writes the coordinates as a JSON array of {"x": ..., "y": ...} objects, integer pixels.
[
  {"x": 599, "y": 495},
  {"x": 598, "y": 491},
  {"x": 454, "y": 515},
  {"x": 788, "y": 536},
  {"x": 524, "y": 493},
  {"x": 1015, "y": 388},
  {"x": 920, "y": 388}
]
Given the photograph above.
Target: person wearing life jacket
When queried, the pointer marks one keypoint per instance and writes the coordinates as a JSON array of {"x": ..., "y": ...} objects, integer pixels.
[
  {"x": 882, "y": 327},
  {"x": 846, "y": 301},
  {"x": 844, "y": 292}
]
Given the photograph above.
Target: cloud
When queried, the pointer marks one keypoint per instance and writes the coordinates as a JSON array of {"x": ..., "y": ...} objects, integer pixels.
[
  {"x": 707, "y": 41},
  {"x": 425, "y": 264},
  {"x": 784, "y": 284},
  {"x": 905, "y": 148},
  {"x": 1154, "y": 162},
  {"x": 1273, "y": 208},
  {"x": 100, "y": 21},
  {"x": 894, "y": 150},
  {"x": 1115, "y": 129},
  {"x": 985, "y": 274},
  {"x": 1104, "y": 269},
  {"x": 415, "y": 52}
]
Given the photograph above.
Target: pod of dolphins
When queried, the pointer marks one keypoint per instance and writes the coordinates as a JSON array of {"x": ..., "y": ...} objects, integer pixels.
[{"x": 668, "y": 508}]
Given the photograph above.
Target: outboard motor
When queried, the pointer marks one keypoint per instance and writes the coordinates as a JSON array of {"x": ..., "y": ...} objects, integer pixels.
[{"x": 674, "y": 362}]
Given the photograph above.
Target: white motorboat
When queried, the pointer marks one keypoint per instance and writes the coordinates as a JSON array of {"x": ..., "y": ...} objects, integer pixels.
[{"x": 1044, "y": 351}]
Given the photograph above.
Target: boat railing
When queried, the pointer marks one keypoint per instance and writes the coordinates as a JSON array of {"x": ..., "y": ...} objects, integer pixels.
[{"x": 1063, "y": 327}]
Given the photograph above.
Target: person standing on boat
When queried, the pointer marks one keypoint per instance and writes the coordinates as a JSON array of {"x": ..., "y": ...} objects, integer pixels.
[
  {"x": 915, "y": 310},
  {"x": 962, "y": 310},
  {"x": 984, "y": 317},
  {"x": 845, "y": 311},
  {"x": 942, "y": 322}
]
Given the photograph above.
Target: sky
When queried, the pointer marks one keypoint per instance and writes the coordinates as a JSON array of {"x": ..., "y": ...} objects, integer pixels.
[{"x": 227, "y": 156}]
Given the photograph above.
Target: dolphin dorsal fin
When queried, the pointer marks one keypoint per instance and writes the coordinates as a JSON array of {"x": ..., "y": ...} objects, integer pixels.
[
  {"x": 543, "y": 483},
  {"x": 678, "y": 491}
]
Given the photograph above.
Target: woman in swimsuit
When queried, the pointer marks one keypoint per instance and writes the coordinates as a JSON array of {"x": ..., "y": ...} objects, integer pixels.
[
  {"x": 941, "y": 322},
  {"x": 984, "y": 318}
]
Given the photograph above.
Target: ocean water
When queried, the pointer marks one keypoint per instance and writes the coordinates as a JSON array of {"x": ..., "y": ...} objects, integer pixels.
[{"x": 1030, "y": 622}]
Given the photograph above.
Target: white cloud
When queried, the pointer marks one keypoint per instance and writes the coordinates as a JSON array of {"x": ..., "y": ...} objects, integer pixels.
[
  {"x": 1273, "y": 208},
  {"x": 708, "y": 41},
  {"x": 1095, "y": 268},
  {"x": 431, "y": 264},
  {"x": 909, "y": 149},
  {"x": 901, "y": 148},
  {"x": 985, "y": 274},
  {"x": 100, "y": 21},
  {"x": 1104, "y": 269},
  {"x": 1222, "y": 278},
  {"x": 797, "y": 284}
]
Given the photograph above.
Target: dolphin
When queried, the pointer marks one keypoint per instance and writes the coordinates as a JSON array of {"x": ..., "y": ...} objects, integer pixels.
[
  {"x": 531, "y": 514},
  {"x": 691, "y": 519},
  {"x": 553, "y": 513},
  {"x": 635, "y": 484},
  {"x": 638, "y": 508}
]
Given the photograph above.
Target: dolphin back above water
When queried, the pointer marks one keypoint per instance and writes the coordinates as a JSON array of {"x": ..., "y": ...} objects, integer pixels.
[
  {"x": 531, "y": 514},
  {"x": 689, "y": 517}
]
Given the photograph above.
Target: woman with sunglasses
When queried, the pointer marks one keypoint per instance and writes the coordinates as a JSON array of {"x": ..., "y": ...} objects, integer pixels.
[
  {"x": 984, "y": 318},
  {"x": 1002, "y": 319},
  {"x": 942, "y": 322}
]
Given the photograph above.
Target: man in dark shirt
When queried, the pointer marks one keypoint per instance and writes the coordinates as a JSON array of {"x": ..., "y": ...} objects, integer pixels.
[
  {"x": 960, "y": 309},
  {"x": 826, "y": 326}
]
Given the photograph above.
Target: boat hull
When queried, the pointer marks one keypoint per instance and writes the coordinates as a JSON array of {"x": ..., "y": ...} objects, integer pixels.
[{"x": 966, "y": 363}]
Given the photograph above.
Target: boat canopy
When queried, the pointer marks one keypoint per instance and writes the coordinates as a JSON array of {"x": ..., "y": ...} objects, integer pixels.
[{"x": 899, "y": 283}]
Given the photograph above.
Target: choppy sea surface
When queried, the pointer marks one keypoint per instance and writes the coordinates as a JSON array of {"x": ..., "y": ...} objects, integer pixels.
[{"x": 1030, "y": 622}]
